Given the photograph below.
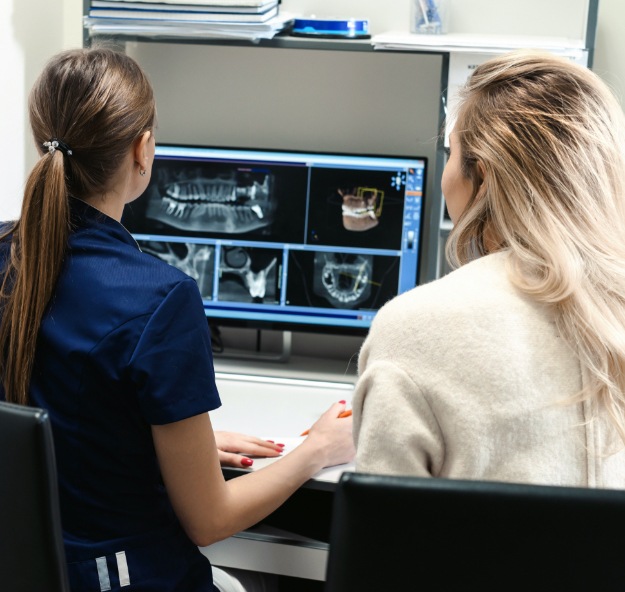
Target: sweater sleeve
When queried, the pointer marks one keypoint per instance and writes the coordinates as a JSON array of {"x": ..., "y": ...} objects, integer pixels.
[{"x": 395, "y": 430}]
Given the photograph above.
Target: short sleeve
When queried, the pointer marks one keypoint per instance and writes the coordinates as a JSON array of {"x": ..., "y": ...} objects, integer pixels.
[{"x": 172, "y": 364}]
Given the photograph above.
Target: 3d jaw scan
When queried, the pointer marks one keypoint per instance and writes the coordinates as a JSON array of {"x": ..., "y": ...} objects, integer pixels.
[
  {"x": 231, "y": 202},
  {"x": 343, "y": 279},
  {"x": 362, "y": 207},
  {"x": 237, "y": 262}
]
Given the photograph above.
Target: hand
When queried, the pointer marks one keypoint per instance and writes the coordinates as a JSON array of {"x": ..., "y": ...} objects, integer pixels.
[
  {"x": 235, "y": 449},
  {"x": 333, "y": 433}
]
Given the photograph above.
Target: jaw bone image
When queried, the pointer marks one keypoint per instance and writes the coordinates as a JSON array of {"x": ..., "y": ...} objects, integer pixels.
[
  {"x": 343, "y": 279},
  {"x": 192, "y": 258},
  {"x": 231, "y": 202},
  {"x": 362, "y": 207},
  {"x": 239, "y": 270}
]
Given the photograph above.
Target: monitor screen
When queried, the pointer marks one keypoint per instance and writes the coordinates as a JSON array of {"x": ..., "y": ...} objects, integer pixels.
[{"x": 284, "y": 239}]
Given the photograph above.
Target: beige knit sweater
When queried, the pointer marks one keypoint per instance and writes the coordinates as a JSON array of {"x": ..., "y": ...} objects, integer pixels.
[{"x": 467, "y": 378}]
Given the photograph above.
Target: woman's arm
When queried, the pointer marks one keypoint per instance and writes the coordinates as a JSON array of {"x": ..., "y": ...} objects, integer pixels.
[
  {"x": 395, "y": 429},
  {"x": 211, "y": 508}
]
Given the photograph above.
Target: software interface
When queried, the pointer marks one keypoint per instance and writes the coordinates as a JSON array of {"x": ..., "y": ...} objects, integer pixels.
[{"x": 285, "y": 237}]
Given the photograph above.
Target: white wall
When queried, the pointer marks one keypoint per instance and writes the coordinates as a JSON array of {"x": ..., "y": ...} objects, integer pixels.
[
  {"x": 557, "y": 18},
  {"x": 33, "y": 30},
  {"x": 30, "y": 32}
]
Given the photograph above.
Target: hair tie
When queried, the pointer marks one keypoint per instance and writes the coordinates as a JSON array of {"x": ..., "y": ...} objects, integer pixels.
[{"x": 53, "y": 144}]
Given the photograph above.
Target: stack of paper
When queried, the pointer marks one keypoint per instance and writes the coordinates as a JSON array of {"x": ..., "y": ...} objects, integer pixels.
[
  {"x": 462, "y": 42},
  {"x": 187, "y": 18}
]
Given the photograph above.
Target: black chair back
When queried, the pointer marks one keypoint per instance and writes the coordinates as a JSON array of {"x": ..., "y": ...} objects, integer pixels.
[
  {"x": 32, "y": 556},
  {"x": 409, "y": 533}
]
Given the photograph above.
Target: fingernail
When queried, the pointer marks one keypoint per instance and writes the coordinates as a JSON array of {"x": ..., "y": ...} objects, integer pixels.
[
  {"x": 280, "y": 445},
  {"x": 247, "y": 462},
  {"x": 342, "y": 402}
]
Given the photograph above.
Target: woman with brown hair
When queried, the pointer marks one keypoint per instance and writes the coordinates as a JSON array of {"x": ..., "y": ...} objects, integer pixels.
[{"x": 114, "y": 343}]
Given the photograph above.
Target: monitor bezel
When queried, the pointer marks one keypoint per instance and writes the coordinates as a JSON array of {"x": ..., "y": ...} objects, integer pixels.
[{"x": 324, "y": 329}]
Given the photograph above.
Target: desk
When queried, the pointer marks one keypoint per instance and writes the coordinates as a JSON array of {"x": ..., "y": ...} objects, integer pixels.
[{"x": 293, "y": 541}]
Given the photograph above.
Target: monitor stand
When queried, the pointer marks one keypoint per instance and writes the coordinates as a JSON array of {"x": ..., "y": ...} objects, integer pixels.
[{"x": 283, "y": 354}]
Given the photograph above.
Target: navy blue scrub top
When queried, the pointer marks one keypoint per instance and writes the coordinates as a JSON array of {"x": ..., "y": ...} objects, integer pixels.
[{"x": 124, "y": 345}]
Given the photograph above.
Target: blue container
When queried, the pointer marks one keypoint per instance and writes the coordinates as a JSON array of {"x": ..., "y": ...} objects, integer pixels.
[{"x": 331, "y": 28}]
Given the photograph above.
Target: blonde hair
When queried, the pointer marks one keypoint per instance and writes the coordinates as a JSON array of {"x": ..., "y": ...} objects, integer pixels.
[
  {"x": 97, "y": 102},
  {"x": 543, "y": 140}
]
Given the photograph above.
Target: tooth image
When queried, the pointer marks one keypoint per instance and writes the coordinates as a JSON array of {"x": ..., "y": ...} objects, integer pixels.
[{"x": 258, "y": 211}]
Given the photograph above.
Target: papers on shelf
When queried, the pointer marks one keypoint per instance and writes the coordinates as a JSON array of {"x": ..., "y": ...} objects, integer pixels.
[
  {"x": 141, "y": 16},
  {"x": 458, "y": 42},
  {"x": 331, "y": 474},
  {"x": 210, "y": 13},
  {"x": 198, "y": 29},
  {"x": 197, "y": 2},
  {"x": 205, "y": 8}
]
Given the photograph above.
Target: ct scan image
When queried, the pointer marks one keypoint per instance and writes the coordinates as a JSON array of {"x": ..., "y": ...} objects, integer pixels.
[
  {"x": 195, "y": 259},
  {"x": 341, "y": 280},
  {"x": 221, "y": 200},
  {"x": 249, "y": 274}
]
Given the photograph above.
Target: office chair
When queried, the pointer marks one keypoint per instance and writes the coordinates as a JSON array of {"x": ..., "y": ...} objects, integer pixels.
[
  {"x": 32, "y": 556},
  {"x": 409, "y": 533}
]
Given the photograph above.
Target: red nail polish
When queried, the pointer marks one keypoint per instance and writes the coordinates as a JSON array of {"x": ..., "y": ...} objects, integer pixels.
[
  {"x": 247, "y": 462},
  {"x": 282, "y": 445},
  {"x": 342, "y": 402}
]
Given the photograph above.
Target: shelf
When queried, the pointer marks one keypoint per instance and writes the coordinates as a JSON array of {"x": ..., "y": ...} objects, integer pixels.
[
  {"x": 282, "y": 553},
  {"x": 281, "y": 40},
  {"x": 395, "y": 41}
]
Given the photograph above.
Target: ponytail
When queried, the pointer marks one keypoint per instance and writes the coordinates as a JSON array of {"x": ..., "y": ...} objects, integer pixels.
[
  {"x": 98, "y": 102},
  {"x": 38, "y": 245}
]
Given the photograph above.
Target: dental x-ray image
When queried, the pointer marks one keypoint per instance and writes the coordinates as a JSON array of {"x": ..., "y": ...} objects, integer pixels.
[
  {"x": 341, "y": 280},
  {"x": 221, "y": 200},
  {"x": 249, "y": 274},
  {"x": 353, "y": 208},
  {"x": 195, "y": 259}
]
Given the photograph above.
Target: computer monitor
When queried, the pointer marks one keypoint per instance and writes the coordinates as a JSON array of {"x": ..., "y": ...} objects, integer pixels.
[{"x": 291, "y": 240}]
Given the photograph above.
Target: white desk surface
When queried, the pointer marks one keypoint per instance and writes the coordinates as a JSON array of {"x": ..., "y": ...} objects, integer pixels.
[{"x": 278, "y": 408}]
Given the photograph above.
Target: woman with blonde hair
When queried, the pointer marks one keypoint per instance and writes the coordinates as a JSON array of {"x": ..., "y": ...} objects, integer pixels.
[
  {"x": 512, "y": 367},
  {"x": 115, "y": 345}
]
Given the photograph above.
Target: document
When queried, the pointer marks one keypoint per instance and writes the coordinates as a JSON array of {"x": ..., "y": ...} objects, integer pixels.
[
  {"x": 200, "y": 2},
  {"x": 160, "y": 6},
  {"x": 330, "y": 474},
  {"x": 194, "y": 30},
  {"x": 145, "y": 16}
]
